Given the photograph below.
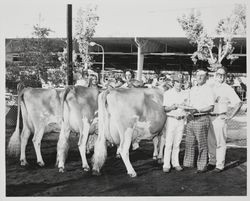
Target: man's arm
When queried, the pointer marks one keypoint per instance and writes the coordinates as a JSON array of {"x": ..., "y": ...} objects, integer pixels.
[
  {"x": 170, "y": 108},
  {"x": 235, "y": 110}
]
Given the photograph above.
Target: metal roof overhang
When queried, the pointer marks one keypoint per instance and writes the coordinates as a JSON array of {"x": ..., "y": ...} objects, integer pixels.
[{"x": 125, "y": 54}]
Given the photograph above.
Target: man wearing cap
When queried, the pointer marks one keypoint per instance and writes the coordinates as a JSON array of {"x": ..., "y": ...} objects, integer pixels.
[
  {"x": 223, "y": 95},
  {"x": 172, "y": 99},
  {"x": 201, "y": 102}
]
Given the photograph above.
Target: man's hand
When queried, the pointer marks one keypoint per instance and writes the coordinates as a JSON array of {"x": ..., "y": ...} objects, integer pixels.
[
  {"x": 193, "y": 111},
  {"x": 225, "y": 118},
  {"x": 174, "y": 107}
]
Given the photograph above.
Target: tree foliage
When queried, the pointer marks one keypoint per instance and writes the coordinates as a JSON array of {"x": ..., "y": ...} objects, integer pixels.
[
  {"x": 37, "y": 56},
  {"x": 86, "y": 23},
  {"x": 208, "y": 48}
]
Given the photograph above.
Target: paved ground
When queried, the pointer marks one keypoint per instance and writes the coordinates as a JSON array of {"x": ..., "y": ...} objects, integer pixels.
[{"x": 151, "y": 181}]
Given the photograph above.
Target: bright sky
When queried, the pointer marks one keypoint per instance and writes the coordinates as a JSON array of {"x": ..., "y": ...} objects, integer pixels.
[{"x": 151, "y": 18}]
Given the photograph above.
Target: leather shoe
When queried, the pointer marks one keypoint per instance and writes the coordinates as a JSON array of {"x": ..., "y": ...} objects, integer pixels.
[
  {"x": 178, "y": 168},
  {"x": 210, "y": 167},
  {"x": 187, "y": 167},
  {"x": 217, "y": 170},
  {"x": 201, "y": 171}
]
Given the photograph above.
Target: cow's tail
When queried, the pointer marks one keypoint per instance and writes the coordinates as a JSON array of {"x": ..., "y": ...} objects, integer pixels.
[
  {"x": 14, "y": 146},
  {"x": 66, "y": 91},
  {"x": 100, "y": 150}
]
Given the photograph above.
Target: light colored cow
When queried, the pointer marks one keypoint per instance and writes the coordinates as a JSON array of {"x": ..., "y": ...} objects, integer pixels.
[
  {"x": 79, "y": 109},
  {"x": 40, "y": 108},
  {"x": 127, "y": 116}
]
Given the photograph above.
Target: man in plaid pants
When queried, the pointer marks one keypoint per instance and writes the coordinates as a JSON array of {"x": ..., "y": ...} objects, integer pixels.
[{"x": 201, "y": 102}]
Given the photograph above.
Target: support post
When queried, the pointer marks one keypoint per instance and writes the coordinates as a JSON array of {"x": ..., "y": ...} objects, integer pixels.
[
  {"x": 140, "y": 57},
  {"x": 69, "y": 45}
]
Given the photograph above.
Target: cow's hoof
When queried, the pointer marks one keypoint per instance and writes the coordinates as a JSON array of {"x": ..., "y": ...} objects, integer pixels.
[
  {"x": 23, "y": 163},
  {"x": 41, "y": 163},
  {"x": 154, "y": 157},
  {"x": 85, "y": 169},
  {"x": 61, "y": 169},
  {"x": 133, "y": 174},
  {"x": 159, "y": 161},
  {"x": 96, "y": 173}
]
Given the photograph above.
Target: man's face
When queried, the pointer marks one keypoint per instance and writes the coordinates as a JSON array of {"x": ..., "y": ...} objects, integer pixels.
[
  {"x": 177, "y": 85},
  {"x": 201, "y": 77},
  {"x": 220, "y": 75}
]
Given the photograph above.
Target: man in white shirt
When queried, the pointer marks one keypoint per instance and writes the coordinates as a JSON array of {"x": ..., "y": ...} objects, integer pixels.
[
  {"x": 223, "y": 95},
  {"x": 174, "y": 124},
  {"x": 201, "y": 102}
]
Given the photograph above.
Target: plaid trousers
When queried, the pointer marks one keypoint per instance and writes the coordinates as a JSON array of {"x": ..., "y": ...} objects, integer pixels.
[{"x": 197, "y": 129}]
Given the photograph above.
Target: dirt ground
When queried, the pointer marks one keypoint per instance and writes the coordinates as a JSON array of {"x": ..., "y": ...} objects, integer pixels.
[{"x": 151, "y": 181}]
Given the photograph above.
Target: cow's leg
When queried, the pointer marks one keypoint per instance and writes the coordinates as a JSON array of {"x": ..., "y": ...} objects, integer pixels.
[
  {"x": 82, "y": 143},
  {"x": 24, "y": 139},
  {"x": 62, "y": 146},
  {"x": 38, "y": 135},
  {"x": 155, "y": 143},
  {"x": 125, "y": 151},
  {"x": 161, "y": 148}
]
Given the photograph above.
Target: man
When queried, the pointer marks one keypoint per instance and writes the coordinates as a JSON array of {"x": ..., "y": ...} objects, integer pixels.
[
  {"x": 201, "y": 102},
  {"x": 174, "y": 124},
  {"x": 224, "y": 94},
  {"x": 83, "y": 79}
]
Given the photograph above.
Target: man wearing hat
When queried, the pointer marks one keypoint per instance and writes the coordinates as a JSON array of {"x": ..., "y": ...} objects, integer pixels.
[
  {"x": 201, "y": 102},
  {"x": 172, "y": 99},
  {"x": 224, "y": 95}
]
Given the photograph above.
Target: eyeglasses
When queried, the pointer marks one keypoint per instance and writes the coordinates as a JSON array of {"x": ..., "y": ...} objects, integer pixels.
[{"x": 162, "y": 78}]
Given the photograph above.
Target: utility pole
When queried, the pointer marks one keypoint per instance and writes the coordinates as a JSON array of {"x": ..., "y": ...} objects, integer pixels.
[{"x": 69, "y": 45}]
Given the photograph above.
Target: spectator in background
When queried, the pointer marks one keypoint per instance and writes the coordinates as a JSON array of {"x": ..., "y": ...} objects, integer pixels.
[
  {"x": 243, "y": 89},
  {"x": 93, "y": 81},
  {"x": 162, "y": 83},
  {"x": 82, "y": 79},
  {"x": 119, "y": 82},
  {"x": 230, "y": 79},
  {"x": 130, "y": 80}
]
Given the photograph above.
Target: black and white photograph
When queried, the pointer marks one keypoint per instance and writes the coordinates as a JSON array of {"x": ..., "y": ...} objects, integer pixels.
[{"x": 124, "y": 99}]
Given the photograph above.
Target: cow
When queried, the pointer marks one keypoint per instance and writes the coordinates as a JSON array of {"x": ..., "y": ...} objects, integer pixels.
[
  {"x": 79, "y": 111},
  {"x": 127, "y": 116},
  {"x": 40, "y": 109}
]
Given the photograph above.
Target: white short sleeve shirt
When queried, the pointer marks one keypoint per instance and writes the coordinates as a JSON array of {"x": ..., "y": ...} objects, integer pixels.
[
  {"x": 201, "y": 97},
  {"x": 171, "y": 97},
  {"x": 224, "y": 96}
]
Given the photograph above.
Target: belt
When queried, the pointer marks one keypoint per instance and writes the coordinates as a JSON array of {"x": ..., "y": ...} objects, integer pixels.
[
  {"x": 177, "y": 117},
  {"x": 200, "y": 115},
  {"x": 215, "y": 115}
]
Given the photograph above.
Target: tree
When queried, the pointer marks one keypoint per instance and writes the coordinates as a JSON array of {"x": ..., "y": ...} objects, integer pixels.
[
  {"x": 37, "y": 55},
  {"x": 86, "y": 22},
  {"x": 208, "y": 48}
]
